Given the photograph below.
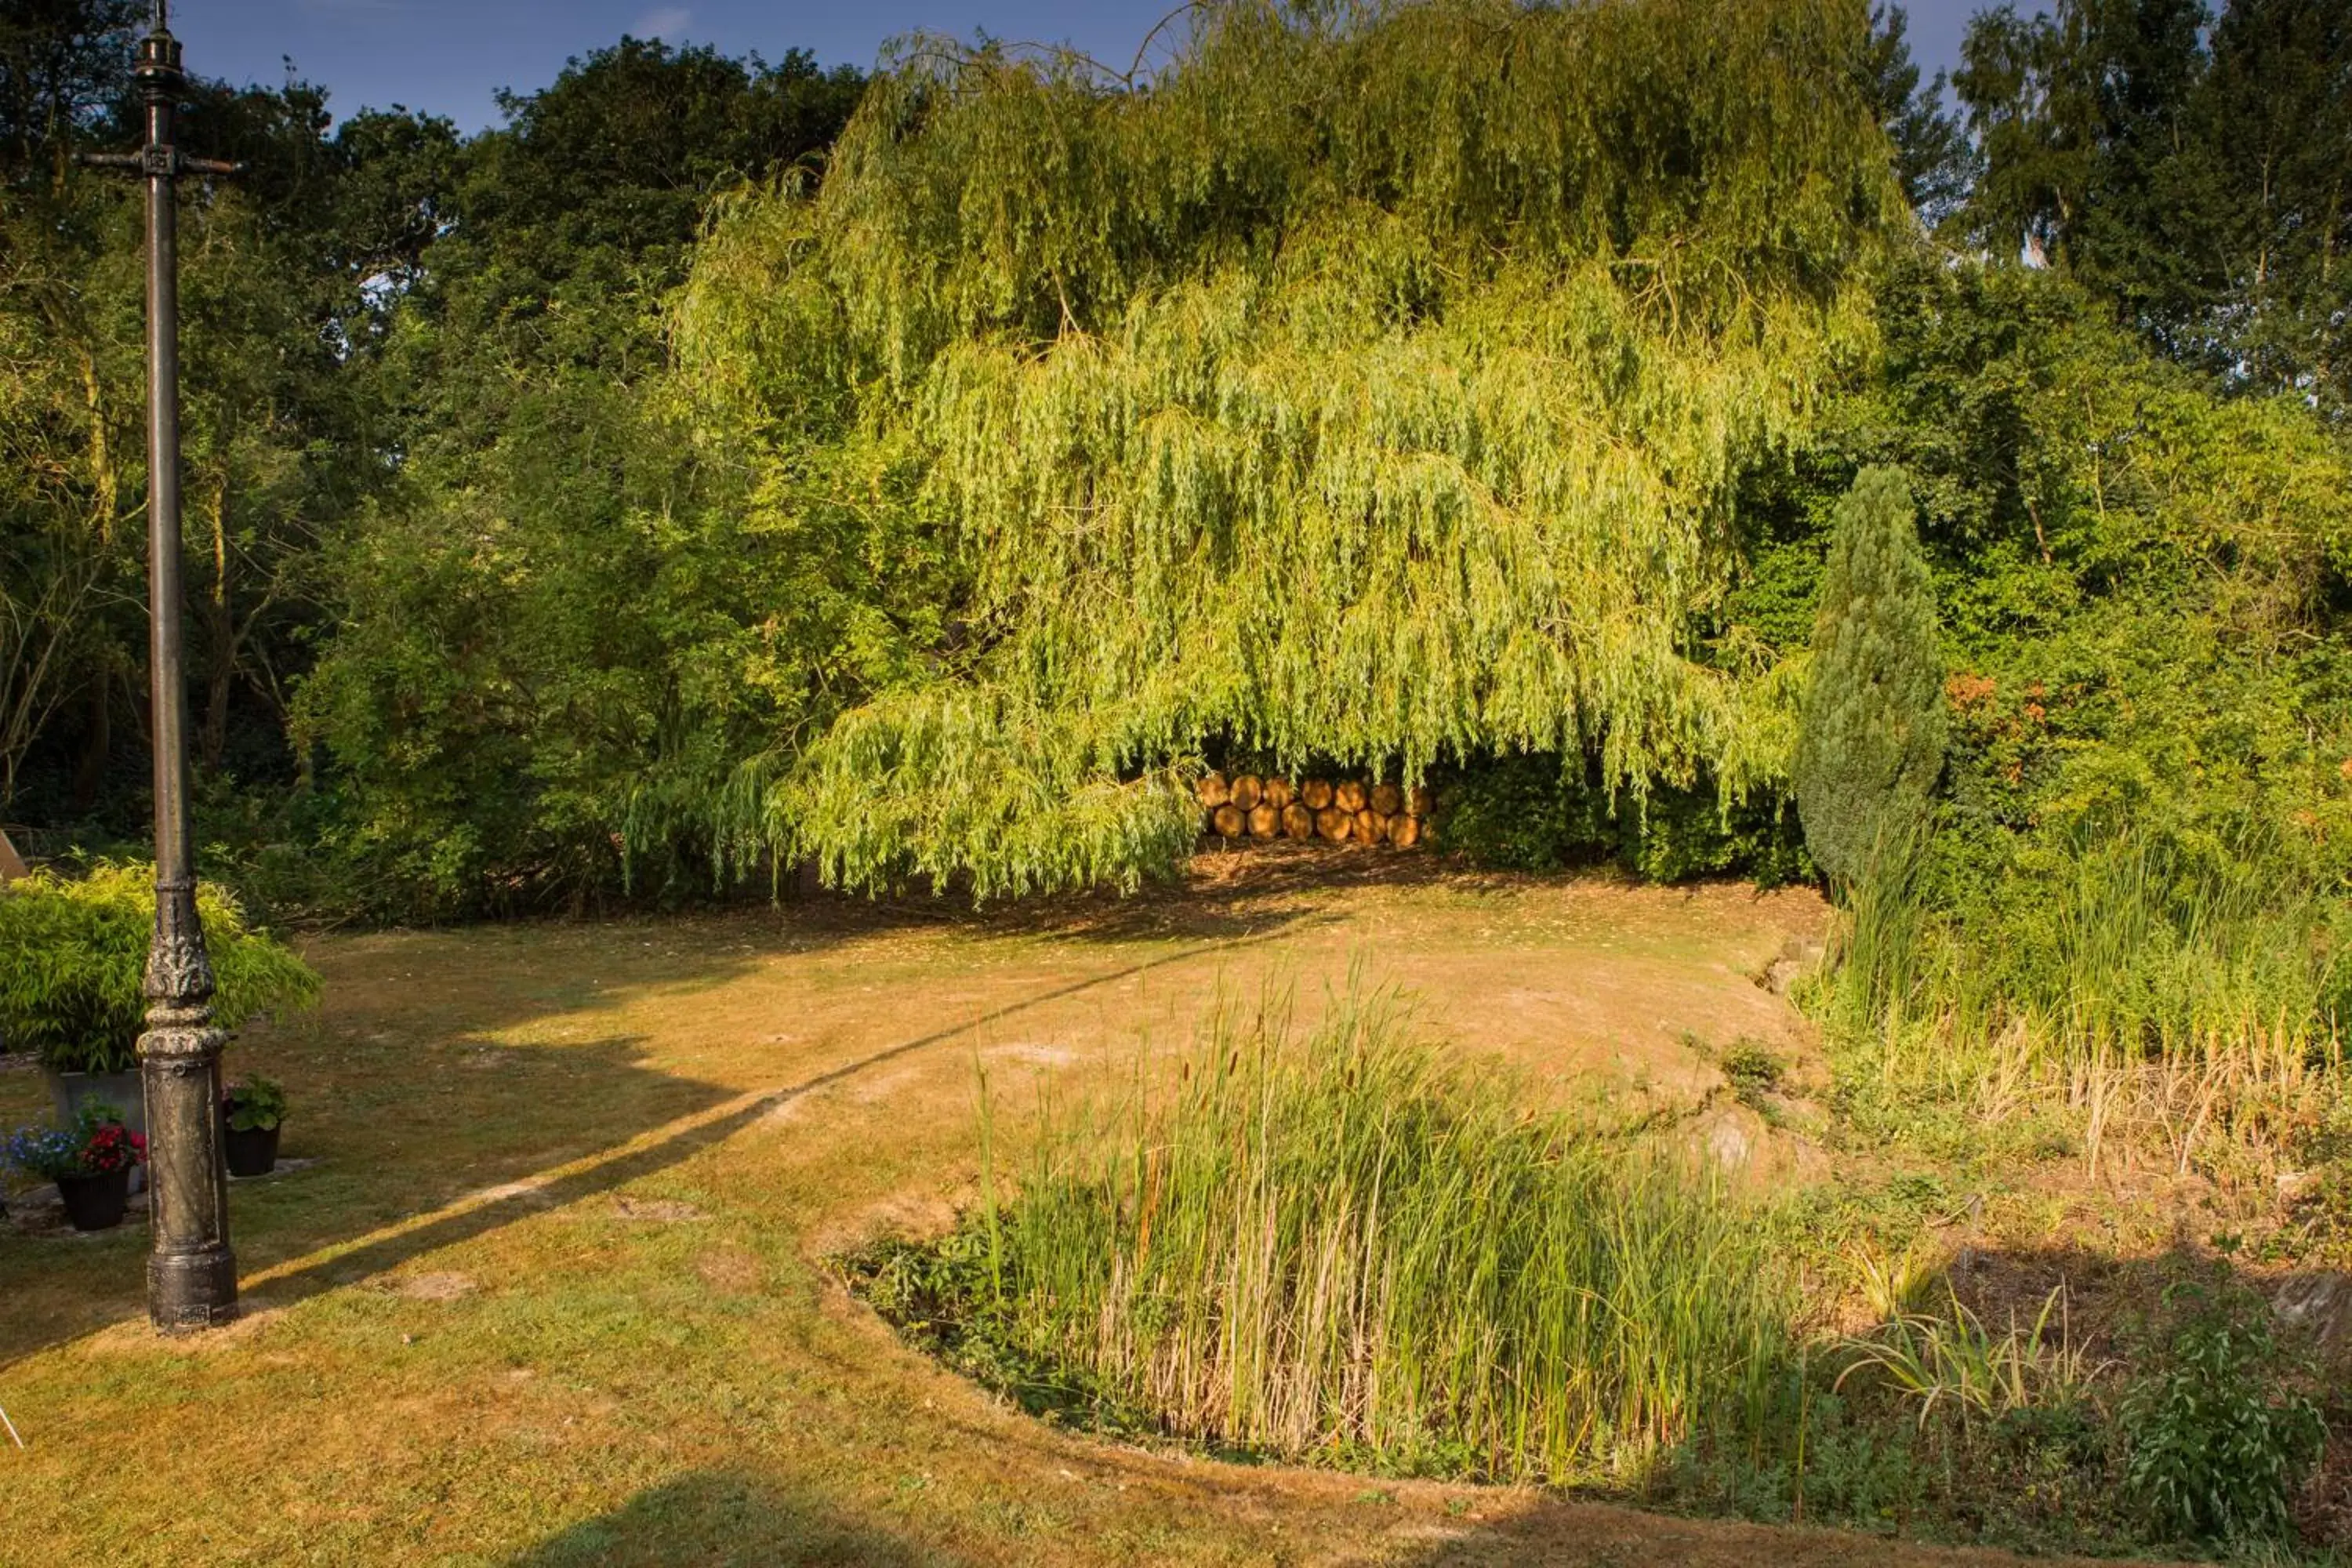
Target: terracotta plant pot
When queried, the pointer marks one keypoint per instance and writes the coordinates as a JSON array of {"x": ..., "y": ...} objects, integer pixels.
[
  {"x": 96, "y": 1202},
  {"x": 253, "y": 1151}
]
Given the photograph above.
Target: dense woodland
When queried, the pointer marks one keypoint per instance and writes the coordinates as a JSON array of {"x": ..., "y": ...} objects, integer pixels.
[{"x": 723, "y": 466}]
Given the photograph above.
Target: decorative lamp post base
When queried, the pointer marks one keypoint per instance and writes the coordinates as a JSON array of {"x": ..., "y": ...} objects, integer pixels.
[
  {"x": 191, "y": 1273},
  {"x": 188, "y": 1291}
]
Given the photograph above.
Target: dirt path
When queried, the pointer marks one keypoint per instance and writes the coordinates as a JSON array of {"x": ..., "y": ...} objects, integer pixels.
[{"x": 550, "y": 1292}]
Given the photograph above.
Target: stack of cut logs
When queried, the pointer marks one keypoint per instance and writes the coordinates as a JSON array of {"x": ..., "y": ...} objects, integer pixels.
[{"x": 1350, "y": 812}]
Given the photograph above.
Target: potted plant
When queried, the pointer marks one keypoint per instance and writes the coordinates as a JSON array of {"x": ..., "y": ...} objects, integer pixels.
[
  {"x": 73, "y": 953},
  {"x": 91, "y": 1160},
  {"x": 253, "y": 1109}
]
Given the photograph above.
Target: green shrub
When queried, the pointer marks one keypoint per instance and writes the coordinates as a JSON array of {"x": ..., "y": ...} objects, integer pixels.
[
  {"x": 1526, "y": 812},
  {"x": 73, "y": 954},
  {"x": 2219, "y": 1441},
  {"x": 1870, "y": 742},
  {"x": 1338, "y": 1245},
  {"x": 1753, "y": 1070}
]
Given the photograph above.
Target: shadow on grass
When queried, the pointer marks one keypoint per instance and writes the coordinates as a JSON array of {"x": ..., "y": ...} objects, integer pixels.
[
  {"x": 455, "y": 1141},
  {"x": 674, "y": 1143},
  {"x": 717, "y": 1517}
]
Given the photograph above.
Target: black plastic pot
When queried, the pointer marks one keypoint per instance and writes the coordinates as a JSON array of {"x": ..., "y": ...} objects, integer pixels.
[
  {"x": 253, "y": 1151},
  {"x": 96, "y": 1202}
]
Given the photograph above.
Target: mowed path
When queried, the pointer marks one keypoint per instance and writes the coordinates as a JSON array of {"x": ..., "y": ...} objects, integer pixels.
[{"x": 546, "y": 1287}]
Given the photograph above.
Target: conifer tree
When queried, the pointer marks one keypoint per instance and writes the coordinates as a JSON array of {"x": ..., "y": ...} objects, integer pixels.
[{"x": 1872, "y": 739}]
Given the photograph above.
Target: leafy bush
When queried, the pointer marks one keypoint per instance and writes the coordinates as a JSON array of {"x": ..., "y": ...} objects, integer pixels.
[
  {"x": 75, "y": 956},
  {"x": 1537, "y": 813},
  {"x": 254, "y": 1104},
  {"x": 2219, "y": 1440}
]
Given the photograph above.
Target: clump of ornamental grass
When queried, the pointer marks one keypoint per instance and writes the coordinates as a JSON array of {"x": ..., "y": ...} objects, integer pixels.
[
  {"x": 73, "y": 957},
  {"x": 1339, "y": 1244}
]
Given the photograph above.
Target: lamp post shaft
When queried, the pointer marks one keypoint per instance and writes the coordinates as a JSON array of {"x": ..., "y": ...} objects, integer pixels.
[{"x": 191, "y": 1273}]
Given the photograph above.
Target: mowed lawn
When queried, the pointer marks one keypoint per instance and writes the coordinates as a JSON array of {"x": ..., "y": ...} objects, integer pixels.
[{"x": 545, "y": 1283}]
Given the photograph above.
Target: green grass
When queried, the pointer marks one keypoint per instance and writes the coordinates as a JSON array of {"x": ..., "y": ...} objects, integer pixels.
[
  {"x": 1337, "y": 1245},
  {"x": 2169, "y": 1004}
]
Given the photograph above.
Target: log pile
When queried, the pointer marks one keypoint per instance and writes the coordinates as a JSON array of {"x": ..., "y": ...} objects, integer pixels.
[{"x": 1348, "y": 811}]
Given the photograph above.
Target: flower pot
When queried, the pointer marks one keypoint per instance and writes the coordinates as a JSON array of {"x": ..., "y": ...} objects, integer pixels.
[
  {"x": 96, "y": 1202},
  {"x": 253, "y": 1151},
  {"x": 124, "y": 1091}
]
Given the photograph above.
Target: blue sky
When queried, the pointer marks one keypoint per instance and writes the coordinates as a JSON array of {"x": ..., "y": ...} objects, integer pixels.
[{"x": 450, "y": 56}]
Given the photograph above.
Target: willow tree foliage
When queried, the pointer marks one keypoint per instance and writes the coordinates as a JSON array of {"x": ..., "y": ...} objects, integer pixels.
[
  {"x": 1872, "y": 739},
  {"x": 1368, "y": 387}
]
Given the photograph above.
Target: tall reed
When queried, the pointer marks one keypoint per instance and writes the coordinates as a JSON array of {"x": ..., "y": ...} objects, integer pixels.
[
  {"x": 2188, "y": 1000},
  {"x": 1340, "y": 1243}
]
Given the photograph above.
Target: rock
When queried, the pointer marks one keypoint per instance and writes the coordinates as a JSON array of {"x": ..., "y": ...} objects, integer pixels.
[
  {"x": 2320, "y": 1304},
  {"x": 2293, "y": 1187},
  {"x": 1797, "y": 955},
  {"x": 1728, "y": 1143}
]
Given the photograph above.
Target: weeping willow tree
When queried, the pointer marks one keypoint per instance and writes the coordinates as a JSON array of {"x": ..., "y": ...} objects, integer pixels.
[{"x": 1366, "y": 387}]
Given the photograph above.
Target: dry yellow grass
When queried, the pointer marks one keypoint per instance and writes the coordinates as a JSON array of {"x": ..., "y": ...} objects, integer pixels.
[{"x": 550, "y": 1295}]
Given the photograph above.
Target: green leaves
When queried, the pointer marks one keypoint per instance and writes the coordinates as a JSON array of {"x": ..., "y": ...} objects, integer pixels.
[
  {"x": 2220, "y": 1442},
  {"x": 77, "y": 953},
  {"x": 1369, "y": 392}
]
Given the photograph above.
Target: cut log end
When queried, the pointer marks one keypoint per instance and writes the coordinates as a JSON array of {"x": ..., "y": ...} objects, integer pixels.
[
  {"x": 1212, "y": 791},
  {"x": 1245, "y": 792},
  {"x": 1228, "y": 820},
  {"x": 1315, "y": 793},
  {"x": 1348, "y": 796},
  {"x": 1298, "y": 822},
  {"x": 1265, "y": 821},
  {"x": 1334, "y": 825},
  {"x": 1278, "y": 793},
  {"x": 1404, "y": 831},
  {"x": 1387, "y": 799},
  {"x": 1371, "y": 828}
]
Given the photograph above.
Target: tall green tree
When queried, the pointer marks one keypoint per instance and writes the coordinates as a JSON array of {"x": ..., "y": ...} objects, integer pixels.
[
  {"x": 1931, "y": 148},
  {"x": 1370, "y": 389},
  {"x": 2189, "y": 169},
  {"x": 560, "y": 617},
  {"x": 1870, "y": 742}
]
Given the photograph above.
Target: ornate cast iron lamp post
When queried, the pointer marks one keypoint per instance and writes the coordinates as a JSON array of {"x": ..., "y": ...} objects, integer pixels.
[{"x": 191, "y": 1273}]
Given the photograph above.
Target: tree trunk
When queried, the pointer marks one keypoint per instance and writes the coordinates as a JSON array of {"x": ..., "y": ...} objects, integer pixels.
[
  {"x": 96, "y": 743},
  {"x": 220, "y": 638}
]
